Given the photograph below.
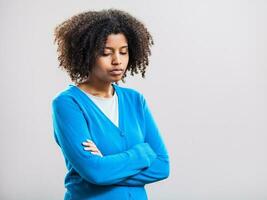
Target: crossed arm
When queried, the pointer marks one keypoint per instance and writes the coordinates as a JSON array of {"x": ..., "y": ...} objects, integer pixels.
[{"x": 142, "y": 164}]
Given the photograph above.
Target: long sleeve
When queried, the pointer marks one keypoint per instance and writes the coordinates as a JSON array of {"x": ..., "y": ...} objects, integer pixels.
[
  {"x": 159, "y": 169},
  {"x": 70, "y": 128}
]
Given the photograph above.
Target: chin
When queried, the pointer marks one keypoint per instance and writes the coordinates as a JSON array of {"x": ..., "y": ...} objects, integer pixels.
[{"x": 118, "y": 78}]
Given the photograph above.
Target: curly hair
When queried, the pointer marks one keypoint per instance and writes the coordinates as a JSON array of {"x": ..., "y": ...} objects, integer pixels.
[{"x": 82, "y": 38}]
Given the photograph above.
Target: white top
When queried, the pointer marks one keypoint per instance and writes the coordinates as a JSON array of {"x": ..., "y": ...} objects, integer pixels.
[{"x": 109, "y": 106}]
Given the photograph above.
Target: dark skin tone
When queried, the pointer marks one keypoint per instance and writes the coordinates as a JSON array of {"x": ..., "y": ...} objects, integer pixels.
[{"x": 115, "y": 56}]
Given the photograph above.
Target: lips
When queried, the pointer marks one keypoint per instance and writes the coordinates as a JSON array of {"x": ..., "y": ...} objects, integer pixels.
[{"x": 116, "y": 71}]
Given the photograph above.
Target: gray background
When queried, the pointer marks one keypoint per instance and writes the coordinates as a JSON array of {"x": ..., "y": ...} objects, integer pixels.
[{"x": 206, "y": 85}]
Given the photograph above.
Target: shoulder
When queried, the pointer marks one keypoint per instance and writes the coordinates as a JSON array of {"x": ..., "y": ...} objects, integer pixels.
[
  {"x": 130, "y": 92},
  {"x": 67, "y": 95}
]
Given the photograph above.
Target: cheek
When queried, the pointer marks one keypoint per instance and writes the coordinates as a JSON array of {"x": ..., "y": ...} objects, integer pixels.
[
  {"x": 103, "y": 63},
  {"x": 126, "y": 59},
  {"x": 103, "y": 60}
]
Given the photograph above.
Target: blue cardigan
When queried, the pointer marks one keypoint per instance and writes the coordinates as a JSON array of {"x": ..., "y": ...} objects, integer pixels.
[{"x": 134, "y": 153}]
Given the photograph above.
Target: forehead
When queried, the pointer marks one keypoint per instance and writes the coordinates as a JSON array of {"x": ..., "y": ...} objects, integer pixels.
[{"x": 116, "y": 40}]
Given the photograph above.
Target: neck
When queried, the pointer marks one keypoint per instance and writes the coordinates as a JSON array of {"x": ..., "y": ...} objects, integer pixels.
[{"x": 100, "y": 89}]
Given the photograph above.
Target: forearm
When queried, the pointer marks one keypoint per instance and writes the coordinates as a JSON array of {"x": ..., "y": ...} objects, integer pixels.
[
  {"x": 71, "y": 130},
  {"x": 160, "y": 168},
  {"x": 157, "y": 171}
]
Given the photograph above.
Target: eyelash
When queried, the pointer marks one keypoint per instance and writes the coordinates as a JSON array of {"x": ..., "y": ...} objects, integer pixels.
[{"x": 122, "y": 53}]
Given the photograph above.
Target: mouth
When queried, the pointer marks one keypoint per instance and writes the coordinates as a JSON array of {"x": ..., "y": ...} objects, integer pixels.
[{"x": 116, "y": 72}]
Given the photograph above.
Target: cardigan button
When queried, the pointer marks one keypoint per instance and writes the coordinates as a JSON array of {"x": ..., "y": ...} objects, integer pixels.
[
  {"x": 130, "y": 195},
  {"x": 122, "y": 133}
]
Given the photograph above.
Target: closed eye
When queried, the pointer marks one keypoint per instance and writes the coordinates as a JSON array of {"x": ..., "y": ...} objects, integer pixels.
[{"x": 108, "y": 54}]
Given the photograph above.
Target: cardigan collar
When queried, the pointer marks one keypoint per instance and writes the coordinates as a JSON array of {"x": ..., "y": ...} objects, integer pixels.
[{"x": 76, "y": 89}]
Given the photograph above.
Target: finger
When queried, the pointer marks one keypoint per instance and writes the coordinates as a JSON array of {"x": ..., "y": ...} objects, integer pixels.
[
  {"x": 99, "y": 154},
  {"x": 91, "y": 149},
  {"x": 96, "y": 152},
  {"x": 88, "y": 144},
  {"x": 90, "y": 141}
]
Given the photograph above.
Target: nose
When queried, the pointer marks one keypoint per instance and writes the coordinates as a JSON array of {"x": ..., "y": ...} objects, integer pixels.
[{"x": 116, "y": 60}]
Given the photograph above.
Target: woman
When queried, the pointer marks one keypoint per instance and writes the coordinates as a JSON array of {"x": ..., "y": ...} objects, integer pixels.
[{"x": 109, "y": 139}]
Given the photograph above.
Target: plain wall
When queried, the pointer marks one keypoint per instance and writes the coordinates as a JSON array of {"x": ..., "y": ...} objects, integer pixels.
[{"x": 206, "y": 85}]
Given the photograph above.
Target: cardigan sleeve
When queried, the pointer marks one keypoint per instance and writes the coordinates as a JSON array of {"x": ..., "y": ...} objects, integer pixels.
[
  {"x": 70, "y": 128},
  {"x": 160, "y": 168}
]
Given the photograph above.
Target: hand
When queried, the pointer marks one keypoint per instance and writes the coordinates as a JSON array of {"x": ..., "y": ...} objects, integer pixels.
[{"x": 90, "y": 146}]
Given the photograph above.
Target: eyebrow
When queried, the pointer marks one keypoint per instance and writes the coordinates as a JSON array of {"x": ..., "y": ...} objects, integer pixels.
[{"x": 113, "y": 48}]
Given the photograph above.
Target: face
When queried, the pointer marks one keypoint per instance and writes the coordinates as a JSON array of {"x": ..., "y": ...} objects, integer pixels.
[{"x": 111, "y": 65}]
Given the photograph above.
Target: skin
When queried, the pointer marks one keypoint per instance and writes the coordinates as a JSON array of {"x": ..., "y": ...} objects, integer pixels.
[
  {"x": 90, "y": 146},
  {"x": 115, "y": 56}
]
